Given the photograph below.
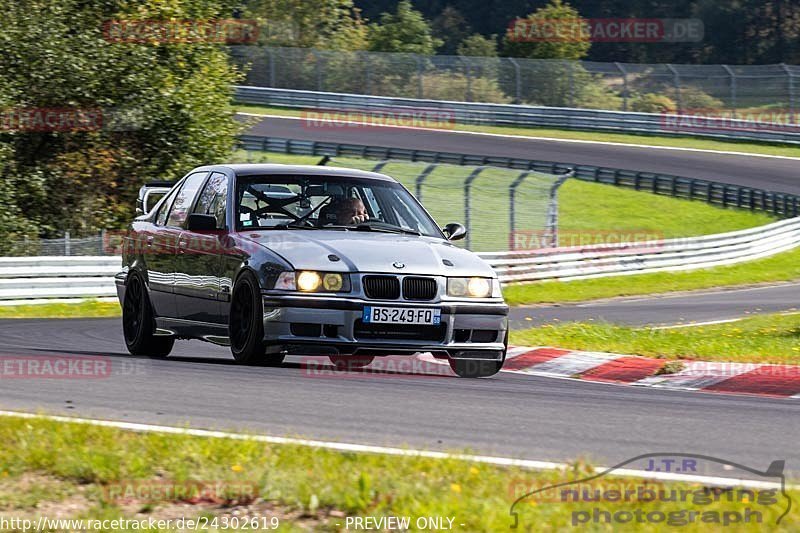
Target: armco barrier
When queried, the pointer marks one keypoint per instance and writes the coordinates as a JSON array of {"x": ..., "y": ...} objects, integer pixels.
[
  {"x": 68, "y": 277},
  {"x": 655, "y": 256},
  {"x": 724, "y": 194},
  {"x": 531, "y": 116},
  {"x": 58, "y": 277}
]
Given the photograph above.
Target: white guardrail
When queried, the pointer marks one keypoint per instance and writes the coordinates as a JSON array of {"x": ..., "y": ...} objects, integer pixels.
[
  {"x": 693, "y": 124},
  {"x": 93, "y": 276}
]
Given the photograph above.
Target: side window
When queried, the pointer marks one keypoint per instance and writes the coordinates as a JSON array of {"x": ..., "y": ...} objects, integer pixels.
[
  {"x": 161, "y": 218},
  {"x": 183, "y": 202},
  {"x": 212, "y": 199}
]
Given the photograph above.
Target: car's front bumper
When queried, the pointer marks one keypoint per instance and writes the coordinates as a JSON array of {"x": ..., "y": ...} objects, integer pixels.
[{"x": 333, "y": 326}]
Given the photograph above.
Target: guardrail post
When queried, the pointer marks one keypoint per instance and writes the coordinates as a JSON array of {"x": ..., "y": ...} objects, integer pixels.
[
  {"x": 421, "y": 179},
  {"x": 467, "y": 187},
  {"x": 677, "y": 82},
  {"x": 67, "y": 244},
  {"x": 517, "y": 81},
  {"x": 732, "y": 77},
  {"x": 624, "y": 85}
]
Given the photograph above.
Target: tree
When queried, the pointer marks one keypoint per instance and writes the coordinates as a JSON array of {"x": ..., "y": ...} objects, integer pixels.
[
  {"x": 161, "y": 107},
  {"x": 405, "y": 30},
  {"x": 521, "y": 40},
  {"x": 452, "y": 28},
  {"x": 479, "y": 46},
  {"x": 321, "y": 24}
]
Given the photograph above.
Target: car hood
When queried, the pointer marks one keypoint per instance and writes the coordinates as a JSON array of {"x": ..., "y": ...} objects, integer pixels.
[{"x": 370, "y": 252}]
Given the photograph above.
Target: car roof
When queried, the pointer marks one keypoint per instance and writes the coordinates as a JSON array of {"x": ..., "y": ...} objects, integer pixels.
[{"x": 262, "y": 169}]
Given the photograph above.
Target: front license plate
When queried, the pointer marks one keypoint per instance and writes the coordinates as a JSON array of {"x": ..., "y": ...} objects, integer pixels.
[{"x": 402, "y": 315}]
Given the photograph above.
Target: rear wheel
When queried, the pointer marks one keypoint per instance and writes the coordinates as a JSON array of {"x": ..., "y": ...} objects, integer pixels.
[
  {"x": 245, "y": 326},
  {"x": 351, "y": 362},
  {"x": 138, "y": 323}
]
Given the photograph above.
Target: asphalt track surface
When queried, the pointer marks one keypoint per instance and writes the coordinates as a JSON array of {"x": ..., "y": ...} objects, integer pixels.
[
  {"x": 685, "y": 308},
  {"x": 775, "y": 174},
  {"x": 510, "y": 415}
]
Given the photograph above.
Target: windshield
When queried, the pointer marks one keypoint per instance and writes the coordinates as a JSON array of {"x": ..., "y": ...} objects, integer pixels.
[{"x": 330, "y": 203}]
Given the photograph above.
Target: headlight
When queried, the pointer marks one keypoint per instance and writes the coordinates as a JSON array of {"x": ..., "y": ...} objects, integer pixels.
[
  {"x": 308, "y": 281},
  {"x": 311, "y": 281},
  {"x": 470, "y": 287}
]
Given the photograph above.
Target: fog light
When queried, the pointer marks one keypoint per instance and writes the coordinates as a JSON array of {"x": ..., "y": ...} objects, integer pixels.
[
  {"x": 332, "y": 282},
  {"x": 308, "y": 281}
]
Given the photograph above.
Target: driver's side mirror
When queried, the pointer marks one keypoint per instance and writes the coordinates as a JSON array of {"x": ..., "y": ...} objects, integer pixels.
[
  {"x": 454, "y": 231},
  {"x": 198, "y": 222}
]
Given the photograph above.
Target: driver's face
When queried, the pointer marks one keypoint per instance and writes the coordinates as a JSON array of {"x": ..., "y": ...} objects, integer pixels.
[{"x": 352, "y": 212}]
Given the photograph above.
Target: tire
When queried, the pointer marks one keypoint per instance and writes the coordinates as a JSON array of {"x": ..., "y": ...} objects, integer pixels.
[
  {"x": 245, "y": 326},
  {"x": 351, "y": 362},
  {"x": 471, "y": 368},
  {"x": 138, "y": 323}
]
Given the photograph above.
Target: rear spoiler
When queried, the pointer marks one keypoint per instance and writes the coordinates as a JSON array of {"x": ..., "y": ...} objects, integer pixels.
[{"x": 149, "y": 195}]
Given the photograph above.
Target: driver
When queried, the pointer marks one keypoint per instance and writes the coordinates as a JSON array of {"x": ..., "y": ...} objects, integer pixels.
[{"x": 347, "y": 211}]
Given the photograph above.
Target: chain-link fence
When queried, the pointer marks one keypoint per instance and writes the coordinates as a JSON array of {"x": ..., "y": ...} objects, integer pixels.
[
  {"x": 580, "y": 84},
  {"x": 502, "y": 209},
  {"x": 101, "y": 244}
]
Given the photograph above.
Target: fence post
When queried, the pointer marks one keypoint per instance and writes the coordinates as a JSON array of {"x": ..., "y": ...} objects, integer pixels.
[
  {"x": 790, "y": 80},
  {"x": 419, "y": 76},
  {"x": 571, "y": 74},
  {"x": 512, "y": 218},
  {"x": 271, "y": 54},
  {"x": 421, "y": 179},
  {"x": 677, "y": 83},
  {"x": 517, "y": 81},
  {"x": 318, "y": 68},
  {"x": 467, "y": 188},
  {"x": 732, "y": 77},
  {"x": 624, "y": 85},
  {"x": 67, "y": 244},
  {"x": 367, "y": 74},
  {"x": 468, "y": 71},
  {"x": 552, "y": 208}
]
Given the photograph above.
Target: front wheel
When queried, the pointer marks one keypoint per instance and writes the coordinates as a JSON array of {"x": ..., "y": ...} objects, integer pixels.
[
  {"x": 138, "y": 323},
  {"x": 245, "y": 326}
]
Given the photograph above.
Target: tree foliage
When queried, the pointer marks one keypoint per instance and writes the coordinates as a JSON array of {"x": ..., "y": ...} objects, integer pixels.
[
  {"x": 405, "y": 30},
  {"x": 556, "y": 10},
  {"x": 165, "y": 107}
]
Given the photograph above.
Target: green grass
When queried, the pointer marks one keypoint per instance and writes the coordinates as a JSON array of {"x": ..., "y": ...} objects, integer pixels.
[
  {"x": 85, "y": 309},
  {"x": 772, "y": 338},
  {"x": 310, "y": 488},
  {"x": 780, "y": 267},
  {"x": 652, "y": 140}
]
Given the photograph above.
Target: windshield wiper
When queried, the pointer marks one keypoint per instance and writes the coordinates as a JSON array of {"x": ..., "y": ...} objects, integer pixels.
[{"x": 387, "y": 229}]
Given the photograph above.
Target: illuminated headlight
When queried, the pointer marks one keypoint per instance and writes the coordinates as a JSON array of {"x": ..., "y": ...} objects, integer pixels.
[
  {"x": 308, "y": 281},
  {"x": 470, "y": 287},
  {"x": 311, "y": 281}
]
